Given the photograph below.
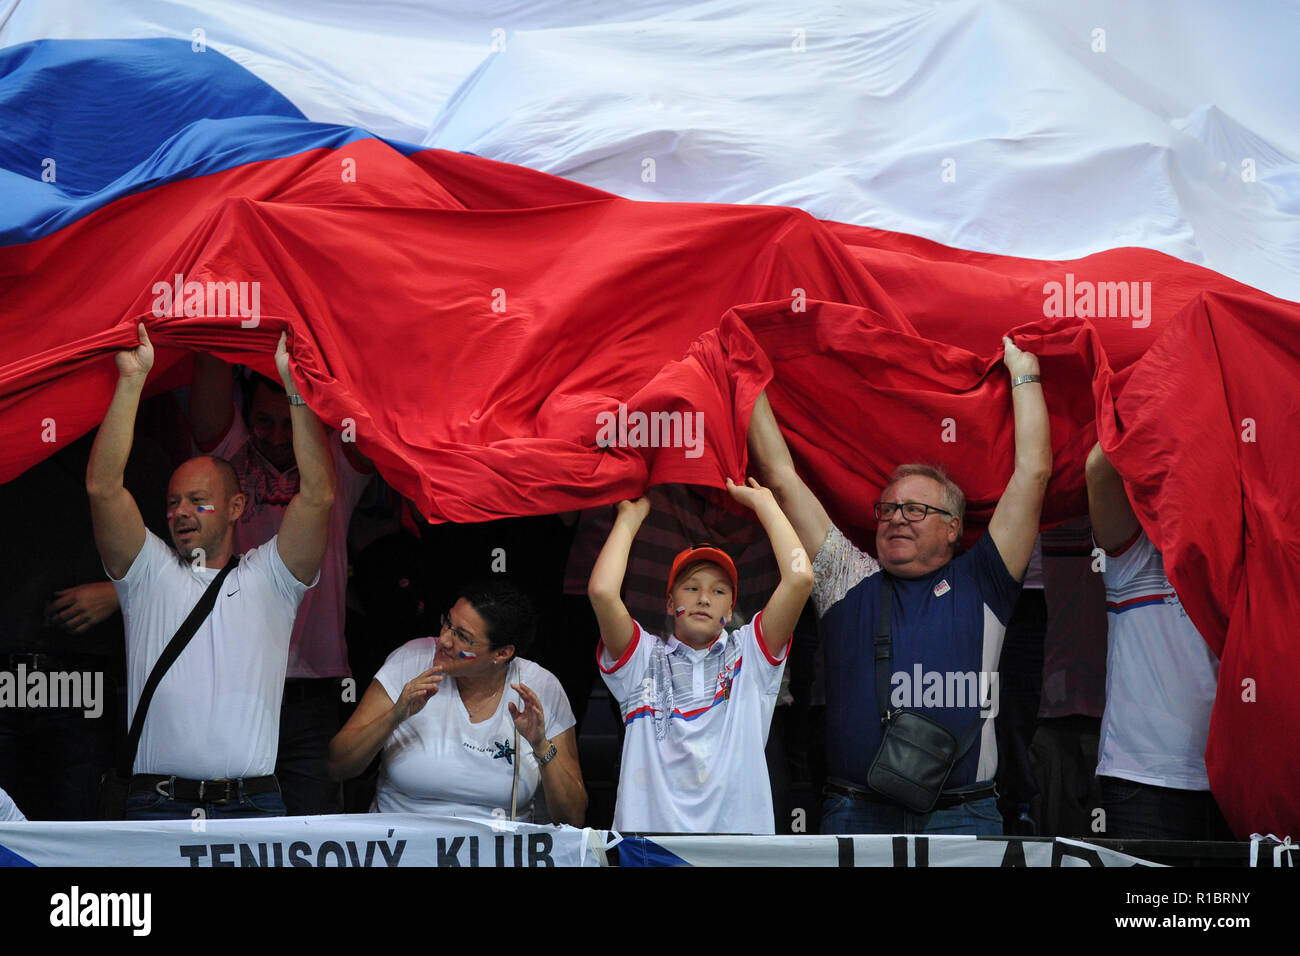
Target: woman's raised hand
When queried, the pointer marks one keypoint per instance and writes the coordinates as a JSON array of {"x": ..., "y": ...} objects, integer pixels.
[
  {"x": 417, "y": 692},
  {"x": 531, "y": 720}
]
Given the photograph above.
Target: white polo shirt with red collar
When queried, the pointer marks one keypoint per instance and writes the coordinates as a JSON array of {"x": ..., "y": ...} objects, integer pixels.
[
  {"x": 696, "y": 727},
  {"x": 1161, "y": 676}
]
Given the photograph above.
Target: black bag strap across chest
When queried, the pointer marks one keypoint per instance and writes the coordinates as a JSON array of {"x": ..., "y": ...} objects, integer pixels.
[
  {"x": 179, "y": 640},
  {"x": 883, "y": 648}
]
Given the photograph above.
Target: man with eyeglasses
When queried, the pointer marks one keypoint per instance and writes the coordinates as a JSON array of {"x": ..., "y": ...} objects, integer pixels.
[{"x": 948, "y": 617}]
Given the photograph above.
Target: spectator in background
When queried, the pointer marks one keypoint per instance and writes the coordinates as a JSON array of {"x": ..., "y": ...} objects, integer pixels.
[
  {"x": 1160, "y": 683},
  {"x": 385, "y": 607},
  {"x": 59, "y": 616},
  {"x": 209, "y": 739},
  {"x": 1020, "y": 676},
  {"x": 260, "y": 447},
  {"x": 1064, "y": 747}
]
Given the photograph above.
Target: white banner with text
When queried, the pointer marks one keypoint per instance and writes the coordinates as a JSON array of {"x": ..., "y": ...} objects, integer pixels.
[{"x": 352, "y": 840}]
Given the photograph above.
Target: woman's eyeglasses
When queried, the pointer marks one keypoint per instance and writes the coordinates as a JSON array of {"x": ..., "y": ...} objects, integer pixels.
[{"x": 461, "y": 634}]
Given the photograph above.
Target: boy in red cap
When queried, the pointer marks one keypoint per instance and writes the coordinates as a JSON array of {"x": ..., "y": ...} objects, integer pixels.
[{"x": 697, "y": 704}]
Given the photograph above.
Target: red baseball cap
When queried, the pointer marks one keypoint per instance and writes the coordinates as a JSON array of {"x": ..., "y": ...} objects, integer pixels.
[{"x": 703, "y": 552}]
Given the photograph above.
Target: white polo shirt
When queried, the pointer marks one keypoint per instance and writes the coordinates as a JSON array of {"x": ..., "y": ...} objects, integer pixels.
[
  {"x": 216, "y": 712},
  {"x": 696, "y": 728},
  {"x": 439, "y": 762},
  {"x": 1161, "y": 677}
]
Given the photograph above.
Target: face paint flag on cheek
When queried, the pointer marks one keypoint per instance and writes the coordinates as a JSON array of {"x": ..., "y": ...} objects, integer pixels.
[
  {"x": 466, "y": 655},
  {"x": 205, "y": 509},
  {"x": 681, "y": 611}
]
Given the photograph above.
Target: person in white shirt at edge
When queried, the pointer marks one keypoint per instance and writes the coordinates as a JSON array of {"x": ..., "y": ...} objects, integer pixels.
[
  {"x": 1161, "y": 679},
  {"x": 439, "y": 711},
  {"x": 9, "y": 812},
  {"x": 209, "y": 740},
  {"x": 697, "y": 705}
]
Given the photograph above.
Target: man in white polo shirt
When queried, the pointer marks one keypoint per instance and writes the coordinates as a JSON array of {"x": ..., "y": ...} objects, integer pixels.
[
  {"x": 1160, "y": 684},
  {"x": 209, "y": 740}
]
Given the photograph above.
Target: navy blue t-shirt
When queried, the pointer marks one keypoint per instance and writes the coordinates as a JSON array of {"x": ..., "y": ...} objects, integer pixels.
[{"x": 947, "y": 630}]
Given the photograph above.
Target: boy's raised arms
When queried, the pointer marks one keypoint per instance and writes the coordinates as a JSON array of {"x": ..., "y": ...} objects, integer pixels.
[
  {"x": 786, "y": 603},
  {"x": 606, "y": 584}
]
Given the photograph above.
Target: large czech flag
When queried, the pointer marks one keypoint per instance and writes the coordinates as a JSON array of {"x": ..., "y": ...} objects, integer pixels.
[{"x": 224, "y": 177}]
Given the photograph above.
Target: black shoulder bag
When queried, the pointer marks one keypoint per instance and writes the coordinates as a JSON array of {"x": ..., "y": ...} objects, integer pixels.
[
  {"x": 917, "y": 753},
  {"x": 116, "y": 782}
]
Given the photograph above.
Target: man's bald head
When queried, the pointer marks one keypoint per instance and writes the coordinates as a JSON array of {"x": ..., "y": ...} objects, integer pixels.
[
  {"x": 204, "y": 501},
  {"x": 229, "y": 477}
]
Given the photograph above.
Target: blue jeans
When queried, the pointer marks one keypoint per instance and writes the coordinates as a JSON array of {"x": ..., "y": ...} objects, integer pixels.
[
  {"x": 842, "y": 814},
  {"x": 1140, "y": 811},
  {"x": 149, "y": 805}
]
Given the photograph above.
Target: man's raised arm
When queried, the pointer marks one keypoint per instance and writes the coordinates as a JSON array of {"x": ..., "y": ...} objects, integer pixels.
[
  {"x": 1014, "y": 525},
  {"x": 212, "y": 399},
  {"x": 1111, "y": 514},
  {"x": 303, "y": 532},
  {"x": 119, "y": 529},
  {"x": 770, "y": 460}
]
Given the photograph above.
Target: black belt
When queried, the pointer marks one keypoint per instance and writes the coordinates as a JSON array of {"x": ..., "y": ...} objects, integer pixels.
[
  {"x": 41, "y": 661},
  {"x": 947, "y": 800},
  {"x": 204, "y": 791}
]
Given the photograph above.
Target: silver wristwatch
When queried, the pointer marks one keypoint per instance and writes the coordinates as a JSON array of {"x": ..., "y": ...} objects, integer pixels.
[{"x": 544, "y": 759}]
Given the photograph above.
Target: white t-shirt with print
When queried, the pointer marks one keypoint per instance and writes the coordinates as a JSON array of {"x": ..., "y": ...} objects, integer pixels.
[
  {"x": 437, "y": 762},
  {"x": 1161, "y": 677},
  {"x": 216, "y": 712},
  {"x": 696, "y": 727}
]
